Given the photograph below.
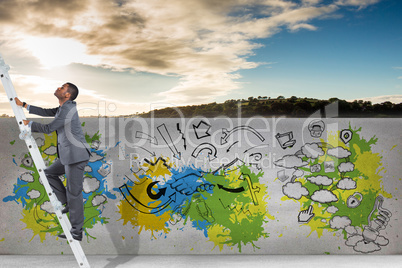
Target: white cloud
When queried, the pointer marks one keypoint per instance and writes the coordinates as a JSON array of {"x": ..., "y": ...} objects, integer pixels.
[
  {"x": 359, "y": 3},
  {"x": 88, "y": 169},
  {"x": 40, "y": 141},
  {"x": 290, "y": 161},
  {"x": 338, "y": 152},
  {"x": 332, "y": 209},
  {"x": 312, "y": 150},
  {"x": 346, "y": 167},
  {"x": 353, "y": 240},
  {"x": 339, "y": 222},
  {"x": 324, "y": 196},
  {"x": 366, "y": 247},
  {"x": 28, "y": 177},
  {"x": 99, "y": 199},
  {"x": 51, "y": 150},
  {"x": 39, "y": 91},
  {"x": 90, "y": 184},
  {"x": 351, "y": 230},
  {"x": 205, "y": 49},
  {"x": 298, "y": 173},
  {"x": 294, "y": 190},
  {"x": 47, "y": 206},
  {"x": 381, "y": 241},
  {"x": 320, "y": 180},
  {"x": 346, "y": 184},
  {"x": 380, "y": 99},
  {"x": 33, "y": 194},
  {"x": 306, "y": 26}
]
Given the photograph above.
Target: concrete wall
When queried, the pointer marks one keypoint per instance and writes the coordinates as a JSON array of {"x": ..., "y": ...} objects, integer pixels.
[{"x": 216, "y": 186}]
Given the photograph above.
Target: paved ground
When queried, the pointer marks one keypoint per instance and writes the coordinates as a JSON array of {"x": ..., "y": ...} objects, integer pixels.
[{"x": 177, "y": 261}]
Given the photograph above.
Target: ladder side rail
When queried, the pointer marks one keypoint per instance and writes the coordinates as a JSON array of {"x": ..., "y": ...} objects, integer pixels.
[
  {"x": 62, "y": 218},
  {"x": 10, "y": 91},
  {"x": 40, "y": 166}
]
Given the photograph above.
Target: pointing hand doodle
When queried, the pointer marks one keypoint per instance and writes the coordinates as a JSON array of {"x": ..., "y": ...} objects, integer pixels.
[{"x": 306, "y": 215}]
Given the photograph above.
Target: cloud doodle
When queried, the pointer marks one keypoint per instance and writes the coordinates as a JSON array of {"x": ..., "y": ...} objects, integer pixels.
[
  {"x": 320, "y": 180},
  {"x": 340, "y": 222},
  {"x": 47, "y": 206},
  {"x": 98, "y": 200},
  {"x": 324, "y": 196},
  {"x": 346, "y": 184},
  {"x": 33, "y": 194},
  {"x": 351, "y": 230},
  {"x": 339, "y": 152},
  {"x": 27, "y": 176},
  {"x": 332, "y": 209},
  {"x": 312, "y": 150},
  {"x": 290, "y": 161},
  {"x": 51, "y": 150},
  {"x": 294, "y": 190},
  {"x": 90, "y": 184},
  {"x": 353, "y": 239},
  {"x": 346, "y": 167},
  {"x": 366, "y": 247}
]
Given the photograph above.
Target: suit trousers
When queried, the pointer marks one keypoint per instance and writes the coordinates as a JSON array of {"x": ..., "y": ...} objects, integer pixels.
[{"x": 72, "y": 194}]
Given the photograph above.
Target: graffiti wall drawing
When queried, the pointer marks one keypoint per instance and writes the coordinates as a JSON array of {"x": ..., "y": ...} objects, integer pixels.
[{"x": 215, "y": 186}]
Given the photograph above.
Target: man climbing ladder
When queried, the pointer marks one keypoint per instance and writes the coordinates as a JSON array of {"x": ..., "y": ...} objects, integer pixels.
[{"x": 73, "y": 153}]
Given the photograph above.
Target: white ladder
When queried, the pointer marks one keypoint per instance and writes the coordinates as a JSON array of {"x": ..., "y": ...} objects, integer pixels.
[{"x": 40, "y": 165}]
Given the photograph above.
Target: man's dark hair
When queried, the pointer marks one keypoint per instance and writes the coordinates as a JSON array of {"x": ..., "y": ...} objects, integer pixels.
[{"x": 73, "y": 90}]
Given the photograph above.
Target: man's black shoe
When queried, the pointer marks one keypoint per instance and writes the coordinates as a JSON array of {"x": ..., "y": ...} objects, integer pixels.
[
  {"x": 75, "y": 236},
  {"x": 65, "y": 210}
]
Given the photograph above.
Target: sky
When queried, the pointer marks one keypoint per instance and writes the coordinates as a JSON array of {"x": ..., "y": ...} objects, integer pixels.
[{"x": 135, "y": 56}]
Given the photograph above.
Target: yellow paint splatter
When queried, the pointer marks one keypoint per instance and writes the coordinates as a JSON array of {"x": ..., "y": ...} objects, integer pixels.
[
  {"x": 39, "y": 222},
  {"x": 146, "y": 221},
  {"x": 219, "y": 235}
]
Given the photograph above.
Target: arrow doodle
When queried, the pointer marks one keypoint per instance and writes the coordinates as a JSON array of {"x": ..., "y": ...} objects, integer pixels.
[
  {"x": 235, "y": 190},
  {"x": 205, "y": 146},
  {"x": 161, "y": 192},
  {"x": 227, "y": 133},
  {"x": 198, "y": 128},
  {"x": 182, "y": 136},
  {"x": 230, "y": 147},
  {"x": 253, "y": 189},
  {"x": 235, "y": 208},
  {"x": 142, "y": 135},
  {"x": 257, "y": 158},
  {"x": 137, "y": 205},
  {"x": 257, "y": 146},
  {"x": 157, "y": 162},
  {"x": 168, "y": 140},
  {"x": 224, "y": 167},
  {"x": 151, "y": 153}
]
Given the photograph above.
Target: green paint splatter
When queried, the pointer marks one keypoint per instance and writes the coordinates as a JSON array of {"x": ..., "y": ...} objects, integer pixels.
[
  {"x": 38, "y": 220},
  {"x": 365, "y": 173}
]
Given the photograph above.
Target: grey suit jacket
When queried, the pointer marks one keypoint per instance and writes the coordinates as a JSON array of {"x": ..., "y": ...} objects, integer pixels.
[{"x": 71, "y": 144}]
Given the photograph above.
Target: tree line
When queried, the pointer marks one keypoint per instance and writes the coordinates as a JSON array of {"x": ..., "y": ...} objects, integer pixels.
[{"x": 280, "y": 106}]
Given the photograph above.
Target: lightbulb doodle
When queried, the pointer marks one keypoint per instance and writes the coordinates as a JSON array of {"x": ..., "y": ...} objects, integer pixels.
[{"x": 339, "y": 188}]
